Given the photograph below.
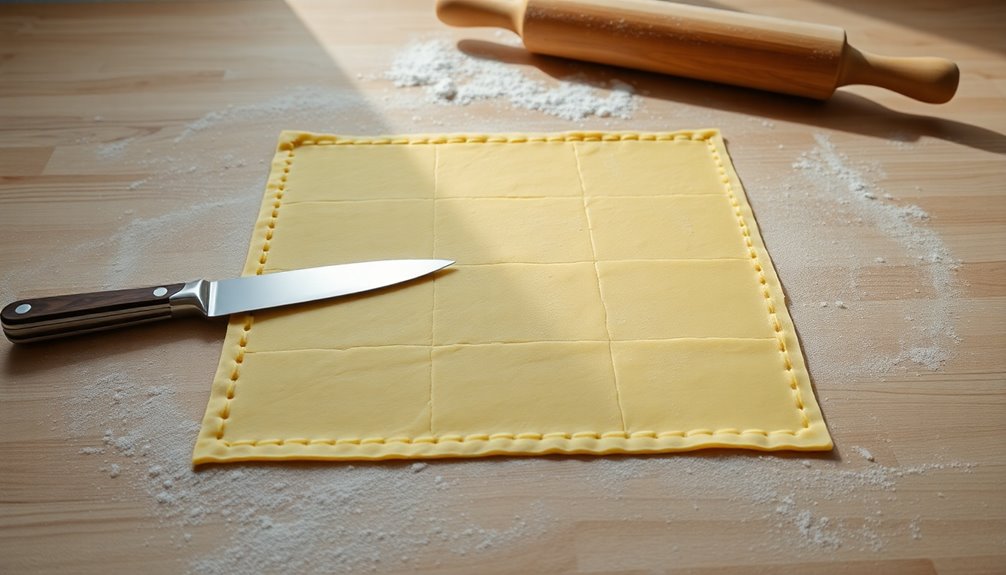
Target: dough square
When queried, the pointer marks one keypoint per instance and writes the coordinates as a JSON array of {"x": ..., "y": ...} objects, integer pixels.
[
  {"x": 658, "y": 299},
  {"x": 612, "y": 294},
  {"x": 529, "y": 230},
  {"x": 518, "y": 303},
  {"x": 648, "y": 168},
  {"x": 354, "y": 394},
  {"x": 405, "y": 173},
  {"x": 350, "y": 231},
  {"x": 664, "y": 227},
  {"x": 695, "y": 383},
  {"x": 529, "y": 170},
  {"x": 405, "y": 317},
  {"x": 513, "y": 389}
]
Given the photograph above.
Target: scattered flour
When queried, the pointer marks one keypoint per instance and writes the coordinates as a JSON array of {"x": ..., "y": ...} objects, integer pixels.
[
  {"x": 384, "y": 517},
  {"x": 140, "y": 237},
  {"x": 788, "y": 494},
  {"x": 915, "y": 529},
  {"x": 299, "y": 517},
  {"x": 928, "y": 342},
  {"x": 816, "y": 530},
  {"x": 864, "y": 453},
  {"x": 452, "y": 77},
  {"x": 828, "y": 167},
  {"x": 931, "y": 357},
  {"x": 114, "y": 149},
  {"x": 321, "y": 104}
]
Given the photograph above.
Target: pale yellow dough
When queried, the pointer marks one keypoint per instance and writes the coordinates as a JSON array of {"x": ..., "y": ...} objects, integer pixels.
[{"x": 611, "y": 294}]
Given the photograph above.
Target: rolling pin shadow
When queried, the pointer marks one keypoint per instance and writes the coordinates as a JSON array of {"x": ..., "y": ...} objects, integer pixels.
[{"x": 797, "y": 58}]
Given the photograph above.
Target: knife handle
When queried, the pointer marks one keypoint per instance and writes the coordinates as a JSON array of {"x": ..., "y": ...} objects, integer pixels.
[{"x": 39, "y": 319}]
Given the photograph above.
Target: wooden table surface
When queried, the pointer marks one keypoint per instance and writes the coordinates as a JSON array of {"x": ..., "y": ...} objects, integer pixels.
[{"x": 135, "y": 143}]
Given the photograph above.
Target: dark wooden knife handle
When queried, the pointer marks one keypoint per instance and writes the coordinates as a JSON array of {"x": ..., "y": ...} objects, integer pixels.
[{"x": 58, "y": 316}]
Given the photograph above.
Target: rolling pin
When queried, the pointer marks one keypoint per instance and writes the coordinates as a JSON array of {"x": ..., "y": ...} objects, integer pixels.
[{"x": 773, "y": 54}]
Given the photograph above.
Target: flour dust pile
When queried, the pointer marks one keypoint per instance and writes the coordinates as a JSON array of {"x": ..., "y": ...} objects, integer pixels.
[{"x": 449, "y": 76}]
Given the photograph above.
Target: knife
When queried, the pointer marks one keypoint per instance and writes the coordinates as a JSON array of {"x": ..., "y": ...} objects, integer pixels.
[{"x": 51, "y": 317}]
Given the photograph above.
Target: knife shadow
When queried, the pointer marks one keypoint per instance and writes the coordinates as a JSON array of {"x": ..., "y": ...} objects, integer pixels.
[{"x": 37, "y": 357}]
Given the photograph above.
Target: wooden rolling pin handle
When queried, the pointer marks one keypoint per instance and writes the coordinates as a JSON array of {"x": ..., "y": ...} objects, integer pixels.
[
  {"x": 932, "y": 80},
  {"x": 507, "y": 14},
  {"x": 797, "y": 58}
]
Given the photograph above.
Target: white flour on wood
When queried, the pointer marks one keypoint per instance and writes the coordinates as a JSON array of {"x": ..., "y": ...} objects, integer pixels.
[
  {"x": 383, "y": 517},
  {"x": 831, "y": 209},
  {"x": 450, "y": 76}
]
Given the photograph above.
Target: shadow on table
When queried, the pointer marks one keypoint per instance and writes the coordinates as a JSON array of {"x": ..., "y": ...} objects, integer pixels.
[
  {"x": 684, "y": 457},
  {"x": 845, "y": 111},
  {"x": 979, "y": 24},
  {"x": 149, "y": 338}
]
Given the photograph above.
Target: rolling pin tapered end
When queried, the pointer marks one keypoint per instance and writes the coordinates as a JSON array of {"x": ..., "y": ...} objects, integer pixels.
[
  {"x": 507, "y": 14},
  {"x": 931, "y": 80}
]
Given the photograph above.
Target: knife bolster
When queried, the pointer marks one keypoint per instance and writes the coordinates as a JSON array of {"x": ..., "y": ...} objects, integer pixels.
[{"x": 193, "y": 298}]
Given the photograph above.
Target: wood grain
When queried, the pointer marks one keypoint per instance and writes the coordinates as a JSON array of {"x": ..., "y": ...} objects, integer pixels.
[{"x": 134, "y": 143}]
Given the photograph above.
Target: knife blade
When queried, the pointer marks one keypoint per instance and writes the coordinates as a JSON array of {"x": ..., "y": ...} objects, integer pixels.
[{"x": 40, "y": 319}]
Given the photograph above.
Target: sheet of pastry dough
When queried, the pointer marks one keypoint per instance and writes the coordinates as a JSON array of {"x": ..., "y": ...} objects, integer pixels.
[{"x": 611, "y": 294}]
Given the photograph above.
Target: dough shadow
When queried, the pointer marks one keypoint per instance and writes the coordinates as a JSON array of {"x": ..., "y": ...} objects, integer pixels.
[
  {"x": 705, "y": 453},
  {"x": 434, "y": 464},
  {"x": 845, "y": 111}
]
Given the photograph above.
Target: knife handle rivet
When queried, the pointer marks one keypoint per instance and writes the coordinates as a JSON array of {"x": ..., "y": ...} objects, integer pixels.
[
  {"x": 23, "y": 308},
  {"x": 160, "y": 292}
]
